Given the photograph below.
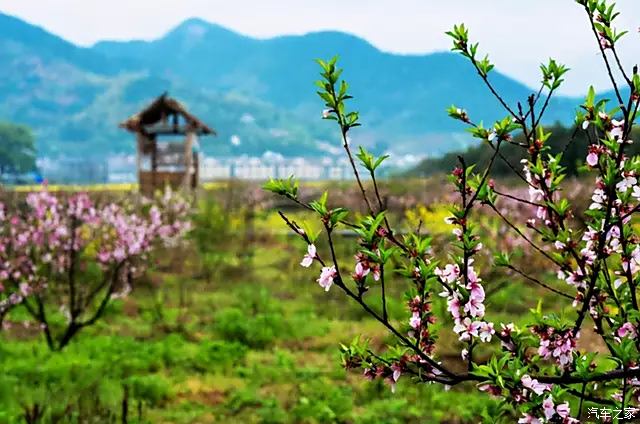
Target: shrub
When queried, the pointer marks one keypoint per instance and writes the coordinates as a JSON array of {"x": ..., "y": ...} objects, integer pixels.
[
  {"x": 149, "y": 389},
  {"x": 319, "y": 402},
  {"x": 258, "y": 330},
  {"x": 222, "y": 355}
]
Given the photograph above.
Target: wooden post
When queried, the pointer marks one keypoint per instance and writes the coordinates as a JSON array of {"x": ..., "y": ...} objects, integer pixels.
[
  {"x": 188, "y": 158},
  {"x": 196, "y": 170},
  {"x": 154, "y": 164},
  {"x": 139, "y": 144}
]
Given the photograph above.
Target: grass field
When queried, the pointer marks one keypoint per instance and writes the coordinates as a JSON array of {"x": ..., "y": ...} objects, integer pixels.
[{"x": 229, "y": 328}]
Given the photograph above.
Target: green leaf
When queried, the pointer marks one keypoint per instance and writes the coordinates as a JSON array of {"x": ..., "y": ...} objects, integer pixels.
[
  {"x": 320, "y": 205},
  {"x": 591, "y": 97},
  {"x": 288, "y": 187},
  {"x": 337, "y": 215},
  {"x": 379, "y": 161}
]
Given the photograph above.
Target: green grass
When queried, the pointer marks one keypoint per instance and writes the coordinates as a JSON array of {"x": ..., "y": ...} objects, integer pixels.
[
  {"x": 233, "y": 353},
  {"x": 254, "y": 342}
]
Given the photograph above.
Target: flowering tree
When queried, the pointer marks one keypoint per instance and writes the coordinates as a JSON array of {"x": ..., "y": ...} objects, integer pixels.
[
  {"x": 537, "y": 372},
  {"x": 65, "y": 258}
]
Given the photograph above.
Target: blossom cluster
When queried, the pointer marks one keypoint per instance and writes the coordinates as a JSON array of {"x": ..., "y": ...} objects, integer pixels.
[
  {"x": 421, "y": 317},
  {"x": 463, "y": 287},
  {"x": 556, "y": 344},
  {"x": 390, "y": 374},
  {"x": 552, "y": 413},
  {"x": 53, "y": 235},
  {"x": 465, "y": 302},
  {"x": 327, "y": 274}
]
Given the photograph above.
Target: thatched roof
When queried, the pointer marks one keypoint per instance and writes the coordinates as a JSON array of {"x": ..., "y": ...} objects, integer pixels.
[{"x": 162, "y": 117}]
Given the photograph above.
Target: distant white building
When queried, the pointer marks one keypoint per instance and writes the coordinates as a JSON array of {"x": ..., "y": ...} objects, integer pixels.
[
  {"x": 269, "y": 165},
  {"x": 272, "y": 165}
]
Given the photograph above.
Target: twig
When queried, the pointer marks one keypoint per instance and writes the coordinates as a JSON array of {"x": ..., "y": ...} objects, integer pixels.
[{"x": 538, "y": 282}]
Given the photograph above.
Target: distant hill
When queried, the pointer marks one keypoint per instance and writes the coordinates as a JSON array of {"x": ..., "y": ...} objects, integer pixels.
[
  {"x": 406, "y": 93},
  {"x": 75, "y": 97},
  {"x": 566, "y": 140},
  {"x": 260, "y": 90}
]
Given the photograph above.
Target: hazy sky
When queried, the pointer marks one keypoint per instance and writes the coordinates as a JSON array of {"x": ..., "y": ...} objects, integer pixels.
[{"x": 517, "y": 33}]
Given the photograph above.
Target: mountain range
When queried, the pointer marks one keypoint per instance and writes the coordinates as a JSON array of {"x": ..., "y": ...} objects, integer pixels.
[{"x": 259, "y": 93}]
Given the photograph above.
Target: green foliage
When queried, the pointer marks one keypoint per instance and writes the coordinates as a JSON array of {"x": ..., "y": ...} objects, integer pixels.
[
  {"x": 369, "y": 226},
  {"x": 256, "y": 331},
  {"x": 151, "y": 389},
  {"x": 218, "y": 354},
  {"x": 288, "y": 187},
  {"x": 329, "y": 216},
  {"x": 241, "y": 350},
  {"x": 96, "y": 371},
  {"x": 370, "y": 162},
  {"x": 17, "y": 149},
  {"x": 214, "y": 225},
  {"x": 552, "y": 74},
  {"x": 257, "y": 323},
  {"x": 606, "y": 14},
  {"x": 321, "y": 402},
  {"x": 320, "y": 205},
  {"x": 460, "y": 36},
  {"x": 335, "y": 98},
  {"x": 571, "y": 143}
]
